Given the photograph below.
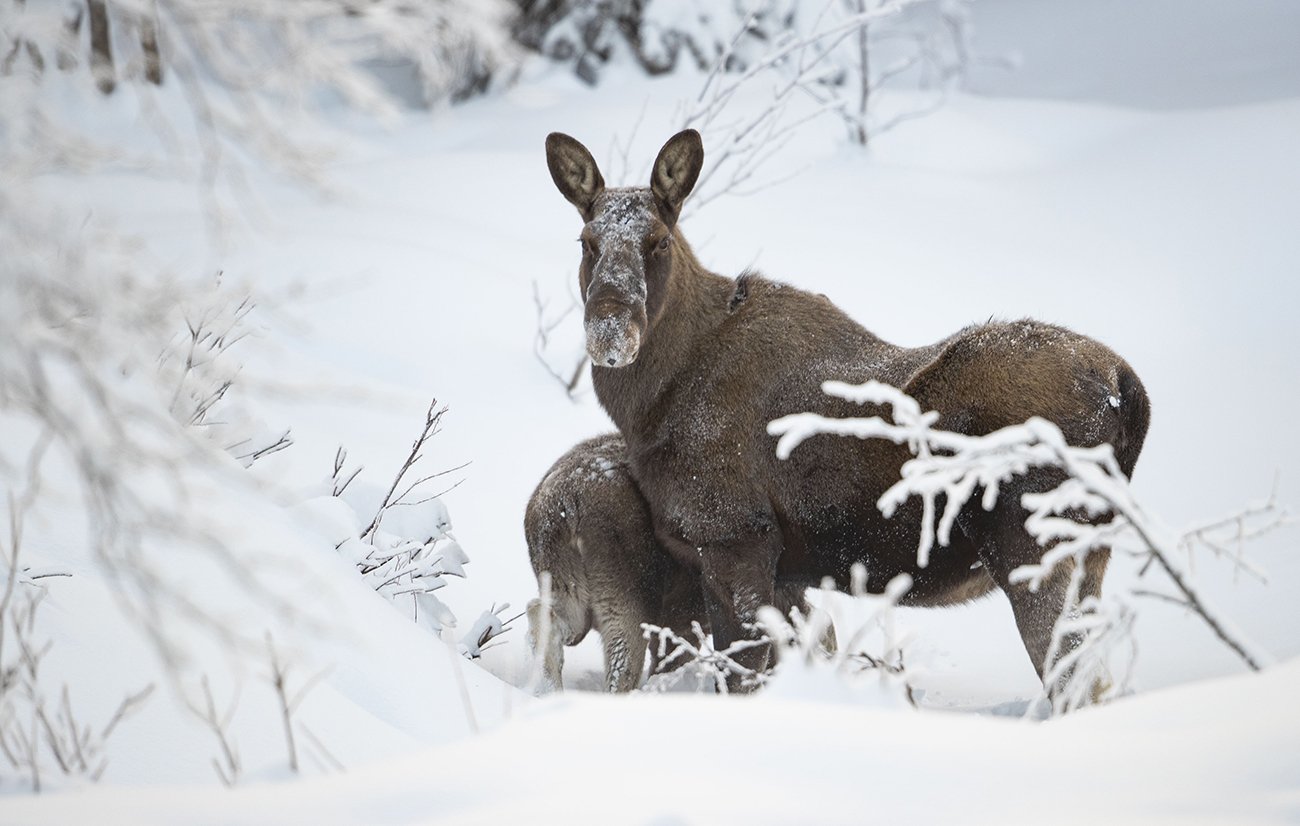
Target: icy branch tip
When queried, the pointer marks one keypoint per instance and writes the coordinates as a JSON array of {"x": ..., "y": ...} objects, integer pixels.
[{"x": 874, "y": 392}]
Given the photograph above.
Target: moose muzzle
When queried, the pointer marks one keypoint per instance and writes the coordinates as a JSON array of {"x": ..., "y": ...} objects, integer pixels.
[{"x": 614, "y": 331}]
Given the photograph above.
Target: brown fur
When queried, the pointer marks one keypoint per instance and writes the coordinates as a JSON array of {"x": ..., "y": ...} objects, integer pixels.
[
  {"x": 692, "y": 366},
  {"x": 588, "y": 526}
]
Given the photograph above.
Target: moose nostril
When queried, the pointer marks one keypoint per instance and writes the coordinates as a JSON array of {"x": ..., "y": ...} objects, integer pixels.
[{"x": 610, "y": 361}]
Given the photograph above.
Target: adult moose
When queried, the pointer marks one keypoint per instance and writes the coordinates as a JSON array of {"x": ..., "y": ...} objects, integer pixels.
[{"x": 691, "y": 366}]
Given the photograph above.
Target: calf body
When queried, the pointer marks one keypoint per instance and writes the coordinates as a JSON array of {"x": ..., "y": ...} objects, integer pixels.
[{"x": 588, "y": 526}]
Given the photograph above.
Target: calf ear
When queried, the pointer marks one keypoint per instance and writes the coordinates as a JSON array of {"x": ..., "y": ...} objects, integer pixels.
[
  {"x": 675, "y": 172},
  {"x": 574, "y": 172}
]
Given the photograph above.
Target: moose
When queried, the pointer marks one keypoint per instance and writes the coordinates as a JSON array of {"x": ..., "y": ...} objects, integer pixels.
[
  {"x": 691, "y": 366},
  {"x": 588, "y": 526}
]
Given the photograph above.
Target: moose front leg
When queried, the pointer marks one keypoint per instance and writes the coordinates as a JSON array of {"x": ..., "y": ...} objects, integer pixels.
[{"x": 737, "y": 579}]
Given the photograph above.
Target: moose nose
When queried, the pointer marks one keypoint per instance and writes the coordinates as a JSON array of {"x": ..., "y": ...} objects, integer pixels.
[{"x": 611, "y": 361}]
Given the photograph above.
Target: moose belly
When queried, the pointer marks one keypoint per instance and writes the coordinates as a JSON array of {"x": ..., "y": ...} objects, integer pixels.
[{"x": 829, "y": 542}]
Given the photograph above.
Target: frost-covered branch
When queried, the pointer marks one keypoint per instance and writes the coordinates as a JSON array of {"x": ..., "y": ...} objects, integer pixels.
[
  {"x": 40, "y": 731},
  {"x": 143, "y": 418},
  {"x": 392, "y": 499},
  {"x": 486, "y": 631},
  {"x": 676, "y": 651},
  {"x": 817, "y": 62},
  {"x": 240, "y": 69},
  {"x": 406, "y": 551},
  {"x": 876, "y": 648},
  {"x": 955, "y": 467}
]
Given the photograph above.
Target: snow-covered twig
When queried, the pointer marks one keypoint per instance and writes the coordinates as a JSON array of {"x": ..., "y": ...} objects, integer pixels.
[
  {"x": 809, "y": 69},
  {"x": 33, "y": 729},
  {"x": 954, "y": 467},
  {"x": 717, "y": 665},
  {"x": 432, "y": 418},
  {"x": 488, "y": 628},
  {"x": 876, "y": 646}
]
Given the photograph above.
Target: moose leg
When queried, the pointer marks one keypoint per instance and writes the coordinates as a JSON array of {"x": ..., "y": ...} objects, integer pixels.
[
  {"x": 737, "y": 579},
  {"x": 683, "y": 604},
  {"x": 565, "y": 623},
  {"x": 795, "y": 595},
  {"x": 624, "y": 648},
  {"x": 545, "y": 647},
  {"x": 1004, "y": 545},
  {"x": 620, "y": 608}
]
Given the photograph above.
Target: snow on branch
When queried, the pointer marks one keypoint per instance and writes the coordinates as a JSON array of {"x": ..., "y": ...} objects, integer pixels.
[
  {"x": 956, "y": 467},
  {"x": 406, "y": 551},
  {"x": 676, "y": 651},
  {"x": 875, "y": 649},
  {"x": 41, "y": 735},
  {"x": 220, "y": 84},
  {"x": 813, "y": 64}
]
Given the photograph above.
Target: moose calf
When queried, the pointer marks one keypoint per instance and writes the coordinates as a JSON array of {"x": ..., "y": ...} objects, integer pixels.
[{"x": 589, "y": 527}]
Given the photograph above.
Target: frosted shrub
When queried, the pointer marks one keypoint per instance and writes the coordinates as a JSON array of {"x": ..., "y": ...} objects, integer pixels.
[{"x": 952, "y": 468}]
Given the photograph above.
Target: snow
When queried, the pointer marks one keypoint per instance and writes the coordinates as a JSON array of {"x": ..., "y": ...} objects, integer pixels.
[
  {"x": 1151, "y": 210},
  {"x": 1216, "y": 752}
]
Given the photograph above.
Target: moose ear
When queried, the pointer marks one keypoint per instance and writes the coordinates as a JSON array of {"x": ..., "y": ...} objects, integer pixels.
[
  {"x": 574, "y": 172},
  {"x": 675, "y": 172}
]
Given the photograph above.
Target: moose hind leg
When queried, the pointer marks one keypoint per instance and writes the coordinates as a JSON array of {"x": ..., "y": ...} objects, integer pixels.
[{"x": 1004, "y": 545}]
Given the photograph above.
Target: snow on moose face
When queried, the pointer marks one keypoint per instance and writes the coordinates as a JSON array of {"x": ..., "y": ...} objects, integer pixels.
[{"x": 624, "y": 247}]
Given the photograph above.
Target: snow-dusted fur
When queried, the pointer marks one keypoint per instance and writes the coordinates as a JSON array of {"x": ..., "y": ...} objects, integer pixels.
[
  {"x": 692, "y": 366},
  {"x": 588, "y": 526}
]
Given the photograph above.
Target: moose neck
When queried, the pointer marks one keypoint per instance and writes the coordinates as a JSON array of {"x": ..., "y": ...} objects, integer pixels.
[{"x": 695, "y": 304}]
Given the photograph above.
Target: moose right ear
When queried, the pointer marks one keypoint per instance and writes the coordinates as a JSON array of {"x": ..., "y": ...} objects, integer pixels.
[{"x": 574, "y": 172}]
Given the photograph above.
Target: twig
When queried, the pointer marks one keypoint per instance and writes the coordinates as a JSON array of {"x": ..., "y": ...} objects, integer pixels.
[
  {"x": 431, "y": 420},
  {"x": 279, "y": 680},
  {"x": 541, "y": 340}
]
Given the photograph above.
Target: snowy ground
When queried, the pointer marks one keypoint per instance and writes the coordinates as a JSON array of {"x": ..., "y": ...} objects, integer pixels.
[{"x": 1167, "y": 231}]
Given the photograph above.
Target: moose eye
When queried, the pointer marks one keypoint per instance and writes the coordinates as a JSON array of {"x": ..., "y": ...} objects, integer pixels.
[
  {"x": 663, "y": 244},
  {"x": 587, "y": 247}
]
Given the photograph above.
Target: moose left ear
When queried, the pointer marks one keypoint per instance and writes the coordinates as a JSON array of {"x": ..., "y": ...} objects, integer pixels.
[{"x": 675, "y": 172}]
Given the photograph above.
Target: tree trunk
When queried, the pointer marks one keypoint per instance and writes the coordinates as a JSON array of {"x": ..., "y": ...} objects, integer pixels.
[
  {"x": 67, "y": 51},
  {"x": 101, "y": 48},
  {"x": 864, "y": 66},
  {"x": 149, "y": 45}
]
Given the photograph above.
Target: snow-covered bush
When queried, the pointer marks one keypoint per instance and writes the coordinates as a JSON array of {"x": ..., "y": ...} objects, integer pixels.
[
  {"x": 867, "y": 666},
  {"x": 844, "y": 59},
  {"x": 404, "y": 549},
  {"x": 680, "y": 655},
  {"x": 656, "y": 35},
  {"x": 864, "y": 666},
  {"x": 952, "y": 468},
  {"x": 206, "y": 88}
]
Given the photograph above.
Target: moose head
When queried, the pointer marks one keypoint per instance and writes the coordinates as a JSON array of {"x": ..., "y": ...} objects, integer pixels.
[{"x": 628, "y": 241}]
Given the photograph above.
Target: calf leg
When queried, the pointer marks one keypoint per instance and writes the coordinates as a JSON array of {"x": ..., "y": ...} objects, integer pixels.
[
  {"x": 549, "y": 630},
  {"x": 624, "y": 648}
]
